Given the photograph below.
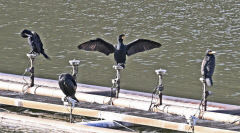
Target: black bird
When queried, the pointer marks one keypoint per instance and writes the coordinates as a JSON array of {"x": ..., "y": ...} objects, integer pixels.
[
  {"x": 68, "y": 85},
  {"x": 208, "y": 66},
  {"x": 35, "y": 42},
  {"x": 121, "y": 50}
]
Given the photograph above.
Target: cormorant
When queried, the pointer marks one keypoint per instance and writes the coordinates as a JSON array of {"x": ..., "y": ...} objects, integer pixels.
[
  {"x": 121, "y": 50},
  {"x": 68, "y": 85},
  {"x": 34, "y": 41},
  {"x": 208, "y": 66}
]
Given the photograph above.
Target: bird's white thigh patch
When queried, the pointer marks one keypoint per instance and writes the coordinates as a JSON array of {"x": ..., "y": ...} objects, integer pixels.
[{"x": 208, "y": 82}]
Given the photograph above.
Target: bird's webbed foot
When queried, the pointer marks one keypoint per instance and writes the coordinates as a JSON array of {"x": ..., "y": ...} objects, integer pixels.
[
  {"x": 121, "y": 65},
  {"x": 71, "y": 101},
  {"x": 31, "y": 52},
  {"x": 65, "y": 101}
]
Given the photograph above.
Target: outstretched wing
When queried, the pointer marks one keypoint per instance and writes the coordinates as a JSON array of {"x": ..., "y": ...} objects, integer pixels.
[
  {"x": 97, "y": 45},
  {"x": 37, "y": 41},
  {"x": 141, "y": 45}
]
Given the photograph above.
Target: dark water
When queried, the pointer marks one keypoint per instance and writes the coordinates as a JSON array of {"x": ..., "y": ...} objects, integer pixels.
[{"x": 184, "y": 28}]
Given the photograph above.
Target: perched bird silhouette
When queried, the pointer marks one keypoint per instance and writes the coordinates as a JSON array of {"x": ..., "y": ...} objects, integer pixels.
[
  {"x": 208, "y": 66},
  {"x": 35, "y": 42},
  {"x": 121, "y": 50},
  {"x": 68, "y": 85}
]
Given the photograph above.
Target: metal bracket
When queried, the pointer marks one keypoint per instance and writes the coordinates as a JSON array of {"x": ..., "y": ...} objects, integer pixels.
[
  {"x": 116, "y": 81},
  {"x": 160, "y": 72},
  {"x": 159, "y": 88},
  {"x": 205, "y": 94},
  {"x": 31, "y": 57},
  {"x": 74, "y": 63},
  {"x": 191, "y": 120},
  {"x": 68, "y": 101}
]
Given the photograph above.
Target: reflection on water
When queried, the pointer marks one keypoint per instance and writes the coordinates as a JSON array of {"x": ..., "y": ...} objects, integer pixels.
[{"x": 184, "y": 28}]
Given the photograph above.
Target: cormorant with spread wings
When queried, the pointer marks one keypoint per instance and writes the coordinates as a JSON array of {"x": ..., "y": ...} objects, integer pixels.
[{"x": 121, "y": 50}]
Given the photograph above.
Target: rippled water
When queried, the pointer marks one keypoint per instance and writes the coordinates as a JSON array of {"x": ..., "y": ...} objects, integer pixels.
[{"x": 184, "y": 28}]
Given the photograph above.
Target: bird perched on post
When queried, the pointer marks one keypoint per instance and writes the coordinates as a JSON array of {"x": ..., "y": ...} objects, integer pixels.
[
  {"x": 68, "y": 85},
  {"x": 35, "y": 42},
  {"x": 208, "y": 66},
  {"x": 121, "y": 50}
]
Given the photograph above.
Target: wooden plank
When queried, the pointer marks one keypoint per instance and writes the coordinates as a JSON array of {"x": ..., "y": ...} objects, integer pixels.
[{"x": 109, "y": 115}]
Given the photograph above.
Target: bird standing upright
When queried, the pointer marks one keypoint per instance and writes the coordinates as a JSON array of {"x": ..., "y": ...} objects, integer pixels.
[
  {"x": 68, "y": 85},
  {"x": 121, "y": 50},
  {"x": 35, "y": 42},
  {"x": 208, "y": 66}
]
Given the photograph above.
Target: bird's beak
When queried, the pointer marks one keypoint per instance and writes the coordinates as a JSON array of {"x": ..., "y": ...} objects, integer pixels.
[
  {"x": 27, "y": 35},
  {"x": 213, "y": 52}
]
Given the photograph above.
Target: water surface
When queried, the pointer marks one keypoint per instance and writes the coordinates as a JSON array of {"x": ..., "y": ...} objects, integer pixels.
[{"x": 184, "y": 28}]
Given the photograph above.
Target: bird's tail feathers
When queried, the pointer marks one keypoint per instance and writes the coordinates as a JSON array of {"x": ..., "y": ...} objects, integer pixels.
[
  {"x": 73, "y": 97},
  {"x": 45, "y": 55}
]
